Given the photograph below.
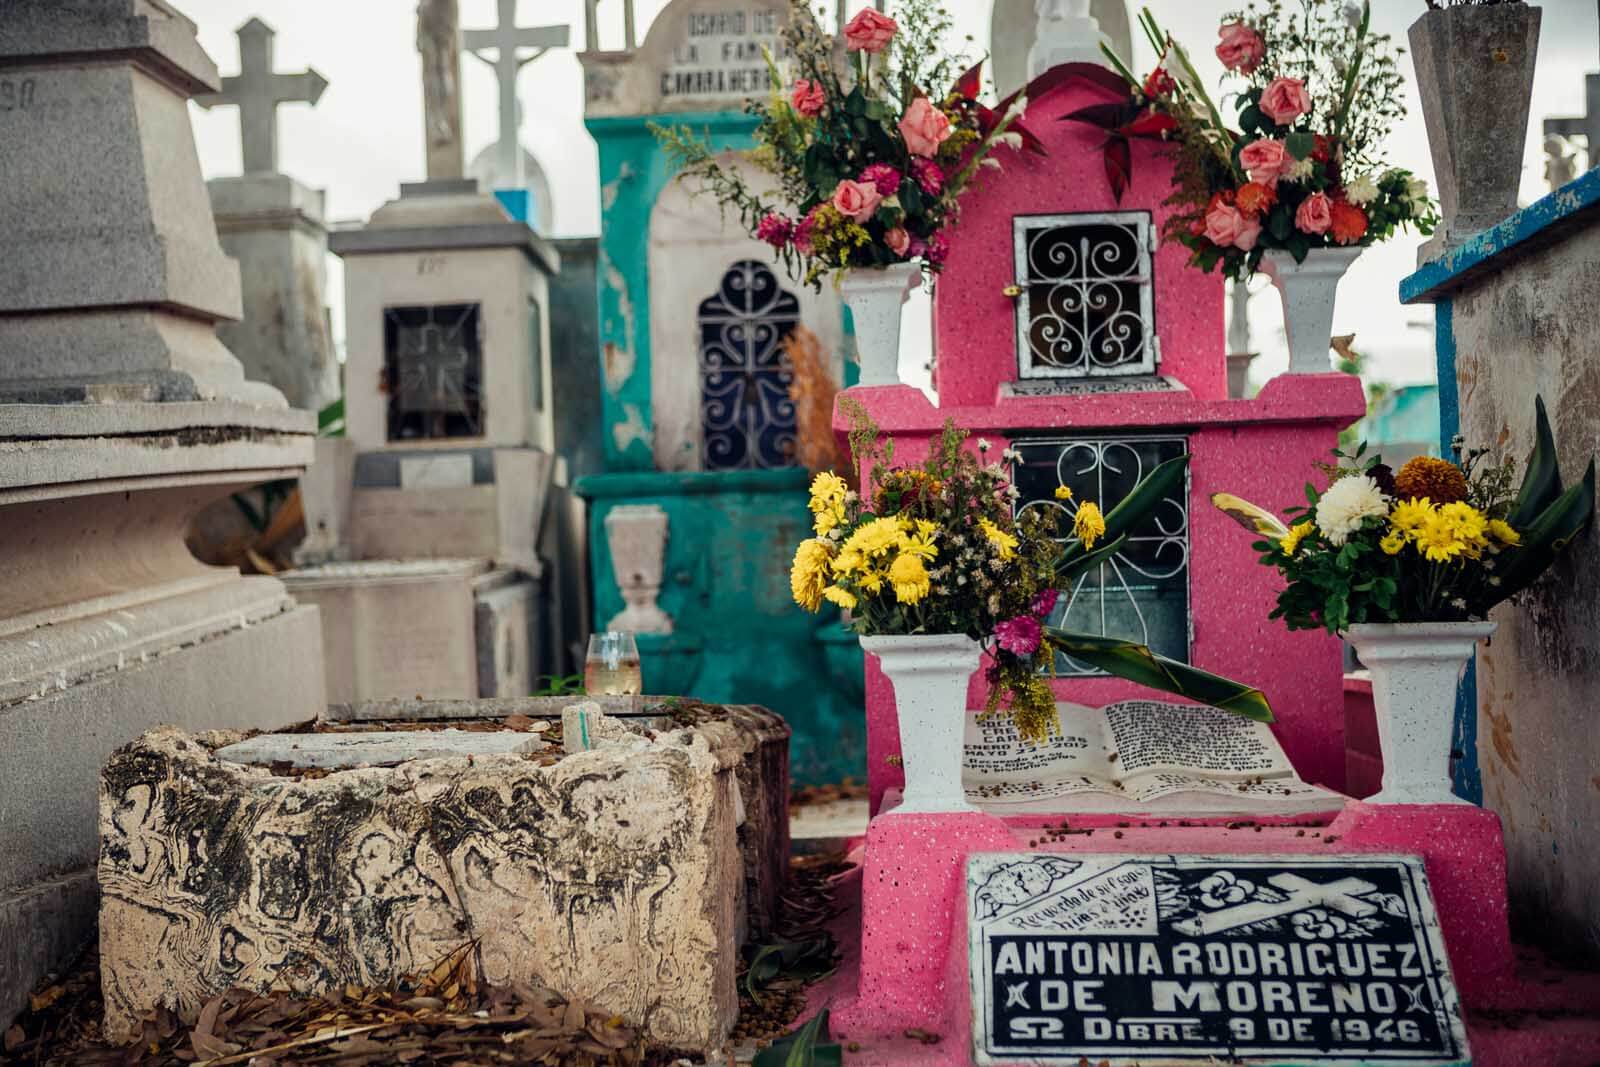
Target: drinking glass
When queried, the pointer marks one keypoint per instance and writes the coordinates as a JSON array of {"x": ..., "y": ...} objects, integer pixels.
[{"x": 612, "y": 666}]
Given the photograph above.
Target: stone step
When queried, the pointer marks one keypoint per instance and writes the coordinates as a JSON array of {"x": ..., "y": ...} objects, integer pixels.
[{"x": 340, "y": 751}]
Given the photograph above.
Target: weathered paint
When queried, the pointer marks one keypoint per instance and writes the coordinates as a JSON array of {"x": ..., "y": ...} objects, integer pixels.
[
  {"x": 1517, "y": 319},
  {"x": 738, "y": 635},
  {"x": 633, "y": 171}
]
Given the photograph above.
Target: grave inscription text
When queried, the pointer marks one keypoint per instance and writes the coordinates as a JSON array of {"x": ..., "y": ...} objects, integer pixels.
[{"x": 721, "y": 53}]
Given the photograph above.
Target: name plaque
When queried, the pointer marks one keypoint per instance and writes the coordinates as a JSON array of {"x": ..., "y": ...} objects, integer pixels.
[{"x": 1151, "y": 960}]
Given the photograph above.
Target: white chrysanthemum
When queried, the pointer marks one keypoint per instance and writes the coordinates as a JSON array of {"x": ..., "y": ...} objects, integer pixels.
[
  {"x": 1347, "y": 502},
  {"x": 1362, "y": 191},
  {"x": 1417, "y": 191},
  {"x": 1300, "y": 170}
]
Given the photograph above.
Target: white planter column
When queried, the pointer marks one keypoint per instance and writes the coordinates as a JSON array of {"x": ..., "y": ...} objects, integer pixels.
[
  {"x": 875, "y": 296},
  {"x": 930, "y": 675},
  {"x": 1308, "y": 290},
  {"x": 1415, "y": 670}
]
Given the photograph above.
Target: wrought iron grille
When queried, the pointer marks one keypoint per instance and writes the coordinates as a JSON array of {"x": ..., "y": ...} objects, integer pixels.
[
  {"x": 1086, "y": 307},
  {"x": 433, "y": 371},
  {"x": 746, "y": 415},
  {"x": 1142, "y": 592}
]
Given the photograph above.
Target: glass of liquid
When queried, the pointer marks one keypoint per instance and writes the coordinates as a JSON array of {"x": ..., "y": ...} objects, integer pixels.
[{"x": 612, "y": 666}]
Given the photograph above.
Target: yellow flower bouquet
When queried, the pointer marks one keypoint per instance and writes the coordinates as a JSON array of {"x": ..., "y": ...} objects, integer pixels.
[
  {"x": 940, "y": 548},
  {"x": 1437, "y": 541}
]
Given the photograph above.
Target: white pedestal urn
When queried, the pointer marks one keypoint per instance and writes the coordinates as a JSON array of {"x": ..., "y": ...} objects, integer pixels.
[
  {"x": 1308, "y": 290},
  {"x": 875, "y": 296},
  {"x": 930, "y": 675},
  {"x": 1415, "y": 669}
]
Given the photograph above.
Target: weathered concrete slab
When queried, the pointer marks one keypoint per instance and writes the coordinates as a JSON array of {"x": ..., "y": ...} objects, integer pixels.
[
  {"x": 342, "y": 751},
  {"x": 613, "y": 875}
]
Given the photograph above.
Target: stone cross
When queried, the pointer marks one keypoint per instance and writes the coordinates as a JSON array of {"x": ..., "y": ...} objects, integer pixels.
[
  {"x": 1344, "y": 896},
  {"x": 1587, "y": 125},
  {"x": 439, "y": 42},
  {"x": 507, "y": 39},
  {"x": 257, "y": 91}
]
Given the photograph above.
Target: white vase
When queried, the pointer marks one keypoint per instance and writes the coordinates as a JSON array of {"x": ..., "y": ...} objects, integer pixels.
[
  {"x": 1416, "y": 667},
  {"x": 1308, "y": 290},
  {"x": 930, "y": 675},
  {"x": 875, "y": 296}
]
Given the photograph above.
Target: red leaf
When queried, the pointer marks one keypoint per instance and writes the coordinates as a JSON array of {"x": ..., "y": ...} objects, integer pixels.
[
  {"x": 1119, "y": 165},
  {"x": 1151, "y": 124},
  {"x": 969, "y": 83},
  {"x": 1029, "y": 140},
  {"x": 1105, "y": 116}
]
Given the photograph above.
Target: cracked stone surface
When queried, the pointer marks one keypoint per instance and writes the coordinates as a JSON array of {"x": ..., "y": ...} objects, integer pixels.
[{"x": 617, "y": 875}]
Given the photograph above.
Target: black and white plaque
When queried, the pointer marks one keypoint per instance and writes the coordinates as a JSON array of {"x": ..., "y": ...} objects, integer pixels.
[{"x": 1150, "y": 960}]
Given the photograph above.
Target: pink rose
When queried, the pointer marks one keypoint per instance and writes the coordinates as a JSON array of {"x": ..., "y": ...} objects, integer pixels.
[
  {"x": 1224, "y": 222},
  {"x": 1241, "y": 48},
  {"x": 869, "y": 31},
  {"x": 1265, "y": 161},
  {"x": 1285, "y": 100},
  {"x": 1315, "y": 214},
  {"x": 856, "y": 201},
  {"x": 808, "y": 98},
  {"x": 1249, "y": 234},
  {"x": 923, "y": 126},
  {"x": 898, "y": 240},
  {"x": 884, "y": 176}
]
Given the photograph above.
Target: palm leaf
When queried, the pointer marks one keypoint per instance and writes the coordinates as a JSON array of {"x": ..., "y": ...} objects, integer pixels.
[
  {"x": 806, "y": 1047},
  {"x": 1067, "y": 572},
  {"x": 1134, "y": 508},
  {"x": 1252, "y": 517},
  {"x": 1541, "y": 483},
  {"x": 1136, "y": 663},
  {"x": 1546, "y": 536}
]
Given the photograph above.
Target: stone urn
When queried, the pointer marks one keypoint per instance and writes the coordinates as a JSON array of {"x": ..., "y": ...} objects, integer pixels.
[
  {"x": 1474, "y": 67},
  {"x": 637, "y": 537},
  {"x": 1309, "y": 289},
  {"x": 929, "y": 673},
  {"x": 875, "y": 296},
  {"x": 1416, "y": 667}
]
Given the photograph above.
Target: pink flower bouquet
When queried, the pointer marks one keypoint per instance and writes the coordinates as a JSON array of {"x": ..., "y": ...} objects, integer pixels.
[{"x": 871, "y": 161}]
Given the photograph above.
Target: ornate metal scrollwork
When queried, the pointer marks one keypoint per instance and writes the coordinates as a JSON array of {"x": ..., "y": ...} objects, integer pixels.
[{"x": 746, "y": 415}]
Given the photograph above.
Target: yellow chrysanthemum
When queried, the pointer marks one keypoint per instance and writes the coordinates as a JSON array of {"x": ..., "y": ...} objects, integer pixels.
[
  {"x": 838, "y": 594},
  {"x": 909, "y": 578},
  {"x": 870, "y": 540},
  {"x": 1503, "y": 532},
  {"x": 827, "y": 491},
  {"x": 1005, "y": 543},
  {"x": 1468, "y": 525},
  {"x": 1393, "y": 542},
  {"x": 870, "y": 581},
  {"x": 828, "y": 518},
  {"x": 1088, "y": 524},
  {"x": 919, "y": 539},
  {"x": 1063, "y": 493},
  {"x": 1411, "y": 515},
  {"x": 1437, "y": 540},
  {"x": 810, "y": 573},
  {"x": 1297, "y": 533}
]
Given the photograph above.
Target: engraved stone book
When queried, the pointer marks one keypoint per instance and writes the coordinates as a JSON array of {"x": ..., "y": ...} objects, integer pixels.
[{"x": 1137, "y": 756}]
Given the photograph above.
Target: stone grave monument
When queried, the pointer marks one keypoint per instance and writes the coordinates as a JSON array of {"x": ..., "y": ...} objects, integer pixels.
[
  {"x": 1184, "y": 924},
  {"x": 696, "y": 418},
  {"x": 523, "y": 189},
  {"x": 274, "y": 226},
  {"x": 625, "y": 865},
  {"x": 439, "y": 491},
  {"x": 121, "y": 416}
]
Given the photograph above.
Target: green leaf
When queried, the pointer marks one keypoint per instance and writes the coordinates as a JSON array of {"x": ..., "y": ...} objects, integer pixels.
[
  {"x": 1136, "y": 663},
  {"x": 1250, "y": 119},
  {"x": 1541, "y": 484},
  {"x": 1280, "y": 223},
  {"x": 1545, "y": 537},
  {"x": 1300, "y": 144},
  {"x": 1068, "y": 573},
  {"x": 1133, "y": 509},
  {"x": 805, "y": 1047}
]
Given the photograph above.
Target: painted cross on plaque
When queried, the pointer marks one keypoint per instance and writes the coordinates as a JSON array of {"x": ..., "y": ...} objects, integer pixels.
[{"x": 1153, "y": 960}]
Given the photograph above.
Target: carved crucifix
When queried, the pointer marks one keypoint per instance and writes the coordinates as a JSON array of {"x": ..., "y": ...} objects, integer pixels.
[
  {"x": 257, "y": 91},
  {"x": 439, "y": 42},
  {"x": 507, "y": 39}
]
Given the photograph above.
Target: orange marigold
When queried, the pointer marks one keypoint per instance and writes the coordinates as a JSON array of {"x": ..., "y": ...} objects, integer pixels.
[
  {"x": 1349, "y": 222},
  {"x": 1437, "y": 479},
  {"x": 1253, "y": 198}
]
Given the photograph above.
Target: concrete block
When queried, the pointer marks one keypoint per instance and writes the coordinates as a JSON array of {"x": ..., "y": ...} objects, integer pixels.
[{"x": 342, "y": 751}]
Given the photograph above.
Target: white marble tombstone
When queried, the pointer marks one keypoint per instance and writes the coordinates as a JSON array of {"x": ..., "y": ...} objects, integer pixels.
[{"x": 121, "y": 416}]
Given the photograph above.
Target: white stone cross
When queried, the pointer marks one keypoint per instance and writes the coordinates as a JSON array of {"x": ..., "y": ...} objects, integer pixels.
[
  {"x": 1588, "y": 125},
  {"x": 1343, "y": 896},
  {"x": 507, "y": 38},
  {"x": 256, "y": 91}
]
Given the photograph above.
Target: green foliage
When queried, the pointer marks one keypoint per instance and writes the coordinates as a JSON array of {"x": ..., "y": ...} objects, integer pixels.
[
  {"x": 808, "y": 960},
  {"x": 557, "y": 685},
  {"x": 806, "y": 1047}
]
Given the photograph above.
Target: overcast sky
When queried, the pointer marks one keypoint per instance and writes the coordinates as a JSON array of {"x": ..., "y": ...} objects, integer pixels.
[{"x": 364, "y": 138}]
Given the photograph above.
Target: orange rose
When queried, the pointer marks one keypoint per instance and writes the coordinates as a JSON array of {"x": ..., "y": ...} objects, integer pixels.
[
  {"x": 1315, "y": 215},
  {"x": 1253, "y": 198},
  {"x": 1349, "y": 222},
  {"x": 924, "y": 127}
]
